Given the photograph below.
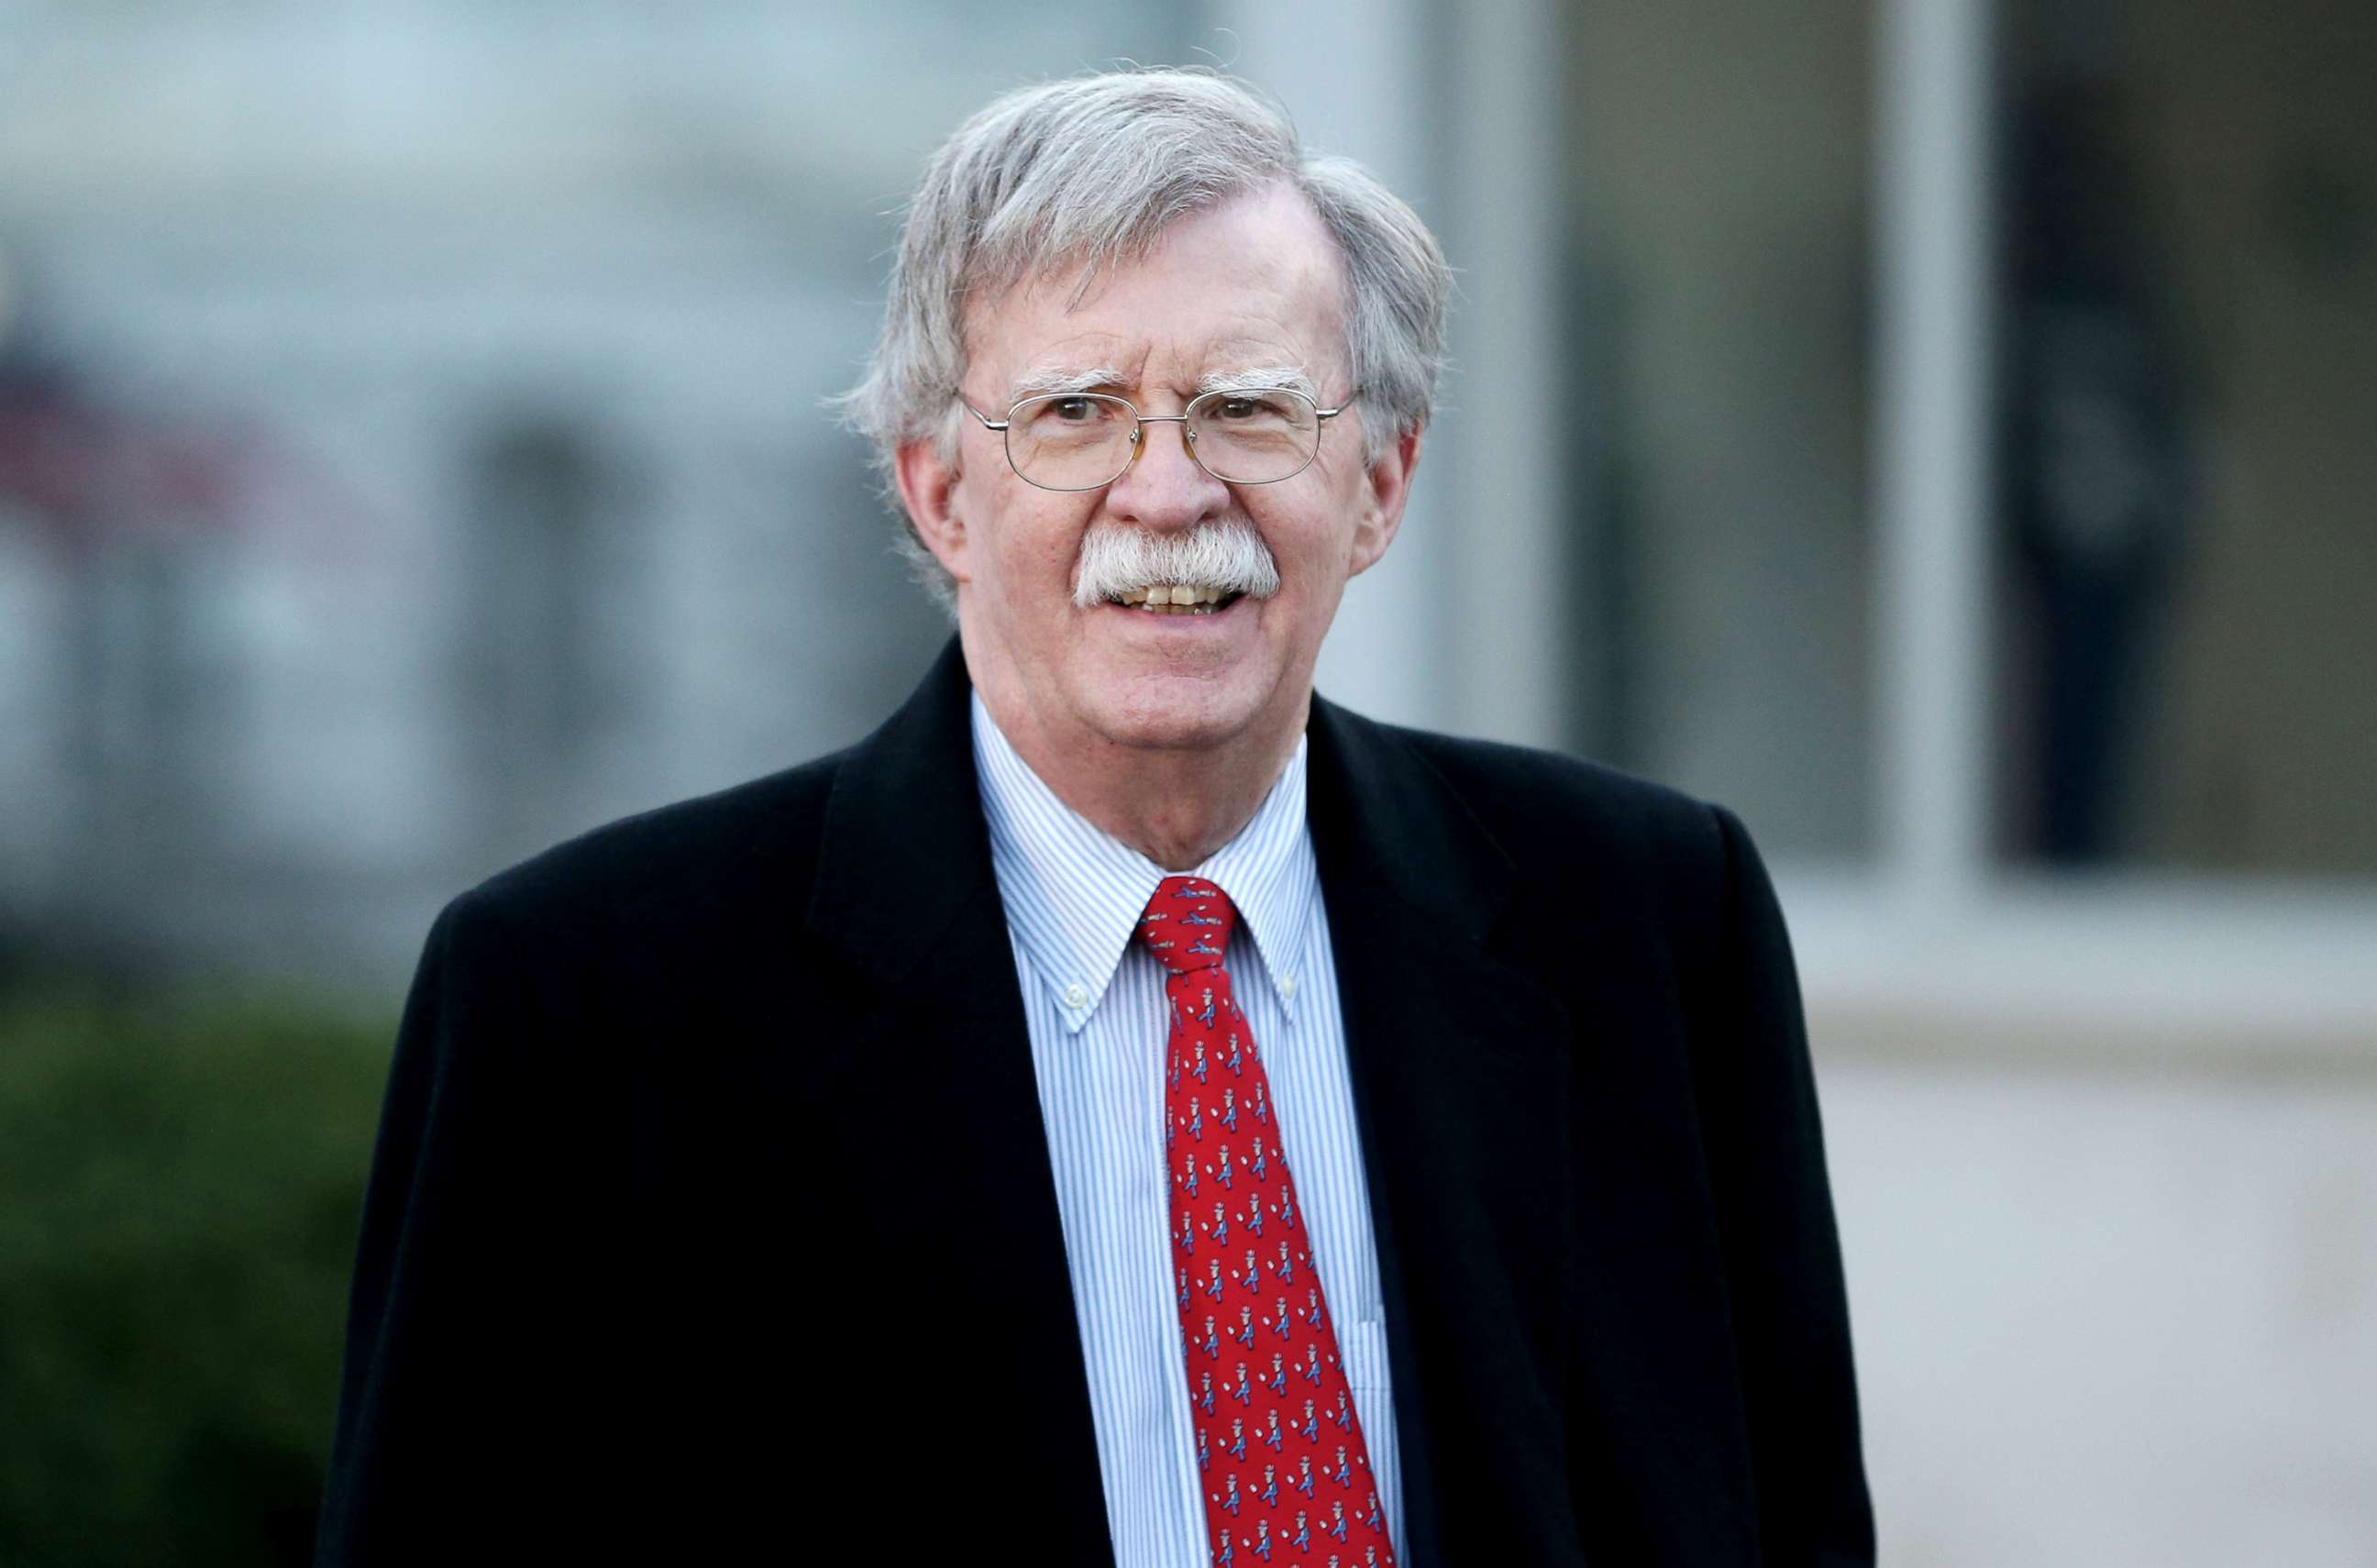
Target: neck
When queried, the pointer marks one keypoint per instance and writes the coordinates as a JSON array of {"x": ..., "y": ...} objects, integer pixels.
[{"x": 1175, "y": 805}]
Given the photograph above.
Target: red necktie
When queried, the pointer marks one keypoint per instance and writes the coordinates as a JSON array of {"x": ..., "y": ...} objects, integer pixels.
[{"x": 1280, "y": 1455}]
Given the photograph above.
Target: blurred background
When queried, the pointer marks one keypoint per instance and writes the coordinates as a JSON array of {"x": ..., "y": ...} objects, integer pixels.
[{"x": 1939, "y": 429}]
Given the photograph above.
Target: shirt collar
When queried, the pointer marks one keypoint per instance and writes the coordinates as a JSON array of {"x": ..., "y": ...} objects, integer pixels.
[{"x": 1074, "y": 892}]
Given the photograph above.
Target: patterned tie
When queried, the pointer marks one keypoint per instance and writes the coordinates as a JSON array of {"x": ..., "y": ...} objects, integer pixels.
[{"x": 1279, "y": 1448}]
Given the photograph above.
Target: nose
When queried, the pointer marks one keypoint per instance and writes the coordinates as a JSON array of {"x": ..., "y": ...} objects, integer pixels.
[{"x": 1163, "y": 487}]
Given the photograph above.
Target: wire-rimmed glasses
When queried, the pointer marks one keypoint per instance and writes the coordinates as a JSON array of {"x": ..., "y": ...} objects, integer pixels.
[{"x": 1086, "y": 440}]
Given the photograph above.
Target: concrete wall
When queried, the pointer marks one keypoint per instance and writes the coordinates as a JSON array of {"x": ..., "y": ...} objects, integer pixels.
[{"x": 2116, "y": 1318}]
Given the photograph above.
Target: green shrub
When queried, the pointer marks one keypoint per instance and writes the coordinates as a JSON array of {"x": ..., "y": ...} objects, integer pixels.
[{"x": 180, "y": 1186}]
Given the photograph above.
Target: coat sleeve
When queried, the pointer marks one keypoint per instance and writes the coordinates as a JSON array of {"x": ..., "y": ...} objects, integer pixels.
[
  {"x": 463, "y": 1324},
  {"x": 1757, "y": 1096}
]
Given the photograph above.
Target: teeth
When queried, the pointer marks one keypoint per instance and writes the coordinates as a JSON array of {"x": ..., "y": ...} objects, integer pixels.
[{"x": 1165, "y": 593}]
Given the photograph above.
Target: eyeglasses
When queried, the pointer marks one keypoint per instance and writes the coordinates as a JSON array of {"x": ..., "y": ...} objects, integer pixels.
[{"x": 1086, "y": 440}]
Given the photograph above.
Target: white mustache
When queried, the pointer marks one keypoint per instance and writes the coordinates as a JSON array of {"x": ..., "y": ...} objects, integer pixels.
[{"x": 1116, "y": 559}]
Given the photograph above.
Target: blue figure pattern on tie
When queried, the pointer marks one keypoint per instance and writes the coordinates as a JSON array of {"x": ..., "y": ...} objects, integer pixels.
[{"x": 1187, "y": 928}]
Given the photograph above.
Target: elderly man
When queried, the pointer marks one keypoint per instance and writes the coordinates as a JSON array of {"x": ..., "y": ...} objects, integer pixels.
[{"x": 1125, "y": 1081}]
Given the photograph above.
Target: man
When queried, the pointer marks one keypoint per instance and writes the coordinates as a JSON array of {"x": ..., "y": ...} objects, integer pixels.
[{"x": 1521, "y": 1034}]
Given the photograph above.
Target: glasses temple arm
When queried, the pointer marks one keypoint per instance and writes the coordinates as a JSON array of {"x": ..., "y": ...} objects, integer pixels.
[
  {"x": 988, "y": 422},
  {"x": 1333, "y": 413}
]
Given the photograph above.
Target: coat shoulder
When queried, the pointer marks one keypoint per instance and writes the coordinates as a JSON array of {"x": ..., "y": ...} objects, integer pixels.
[
  {"x": 1580, "y": 834},
  {"x": 1570, "y": 814}
]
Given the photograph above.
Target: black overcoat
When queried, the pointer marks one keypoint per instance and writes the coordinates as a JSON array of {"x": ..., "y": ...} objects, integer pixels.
[{"x": 678, "y": 1241}]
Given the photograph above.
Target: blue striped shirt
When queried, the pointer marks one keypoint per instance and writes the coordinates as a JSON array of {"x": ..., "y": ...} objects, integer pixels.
[{"x": 1093, "y": 1006}]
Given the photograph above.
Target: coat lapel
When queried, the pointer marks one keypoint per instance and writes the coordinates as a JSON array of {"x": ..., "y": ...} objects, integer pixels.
[
  {"x": 1461, "y": 1076},
  {"x": 906, "y": 897}
]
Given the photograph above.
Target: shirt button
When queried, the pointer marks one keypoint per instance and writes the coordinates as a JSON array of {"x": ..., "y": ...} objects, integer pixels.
[
  {"x": 1287, "y": 987},
  {"x": 1076, "y": 996}
]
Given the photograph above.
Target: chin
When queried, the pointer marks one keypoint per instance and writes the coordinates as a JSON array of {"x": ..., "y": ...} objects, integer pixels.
[{"x": 1176, "y": 715}]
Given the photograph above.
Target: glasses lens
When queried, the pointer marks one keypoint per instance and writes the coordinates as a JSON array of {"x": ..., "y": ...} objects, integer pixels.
[
  {"x": 1070, "y": 440},
  {"x": 1254, "y": 438}
]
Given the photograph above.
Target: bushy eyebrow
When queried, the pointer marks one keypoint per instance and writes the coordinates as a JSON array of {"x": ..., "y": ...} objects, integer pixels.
[
  {"x": 1056, "y": 380},
  {"x": 1259, "y": 378}
]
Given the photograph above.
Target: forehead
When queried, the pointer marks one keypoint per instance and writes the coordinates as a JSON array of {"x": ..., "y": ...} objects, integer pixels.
[{"x": 1256, "y": 280}]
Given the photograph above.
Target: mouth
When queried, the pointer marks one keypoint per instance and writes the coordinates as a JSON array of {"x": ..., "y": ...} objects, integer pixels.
[{"x": 1178, "y": 599}]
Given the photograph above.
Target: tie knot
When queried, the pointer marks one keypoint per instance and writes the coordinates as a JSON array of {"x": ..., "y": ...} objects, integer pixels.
[{"x": 1188, "y": 924}]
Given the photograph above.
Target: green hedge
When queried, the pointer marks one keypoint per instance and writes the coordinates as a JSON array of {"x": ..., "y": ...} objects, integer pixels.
[{"x": 179, "y": 1185}]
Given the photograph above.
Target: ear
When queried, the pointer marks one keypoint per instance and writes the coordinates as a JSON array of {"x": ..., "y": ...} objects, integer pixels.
[
  {"x": 928, "y": 490},
  {"x": 1386, "y": 486}
]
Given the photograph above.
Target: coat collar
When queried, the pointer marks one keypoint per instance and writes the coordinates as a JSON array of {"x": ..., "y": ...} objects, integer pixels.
[
  {"x": 905, "y": 849},
  {"x": 905, "y": 818}
]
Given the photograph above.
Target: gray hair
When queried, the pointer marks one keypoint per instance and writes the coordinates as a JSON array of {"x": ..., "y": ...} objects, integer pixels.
[{"x": 1089, "y": 173}]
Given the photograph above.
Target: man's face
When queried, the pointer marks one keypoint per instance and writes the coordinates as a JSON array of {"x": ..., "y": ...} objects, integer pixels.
[{"x": 1255, "y": 285}]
